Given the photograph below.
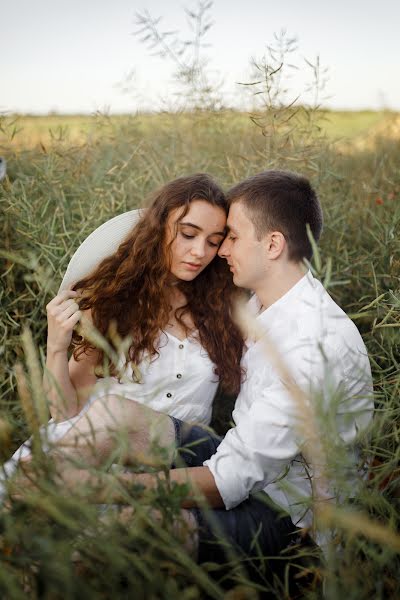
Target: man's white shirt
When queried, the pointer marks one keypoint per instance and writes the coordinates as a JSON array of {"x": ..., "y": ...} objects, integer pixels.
[{"x": 327, "y": 358}]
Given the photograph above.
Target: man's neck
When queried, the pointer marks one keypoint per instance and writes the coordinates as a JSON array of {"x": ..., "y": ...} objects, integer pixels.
[{"x": 279, "y": 281}]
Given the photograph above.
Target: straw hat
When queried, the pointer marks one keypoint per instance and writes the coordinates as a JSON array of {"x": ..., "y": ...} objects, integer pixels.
[{"x": 102, "y": 242}]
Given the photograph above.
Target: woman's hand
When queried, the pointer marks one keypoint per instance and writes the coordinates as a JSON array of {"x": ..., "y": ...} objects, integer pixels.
[{"x": 62, "y": 315}]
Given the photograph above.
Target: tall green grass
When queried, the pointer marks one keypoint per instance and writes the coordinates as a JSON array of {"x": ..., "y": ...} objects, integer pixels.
[{"x": 53, "y": 197}]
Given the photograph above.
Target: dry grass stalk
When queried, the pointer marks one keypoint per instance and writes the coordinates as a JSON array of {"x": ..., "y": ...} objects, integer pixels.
[
  {"x": 28, "y": 408},
  {"x": 36, "y": 377},
  {"x": 357, "y": 523},
  {"x": 307, "y": 427}
]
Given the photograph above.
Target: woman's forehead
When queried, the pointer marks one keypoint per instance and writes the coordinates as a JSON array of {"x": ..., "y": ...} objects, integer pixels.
[{"x": 200, "y": 214}]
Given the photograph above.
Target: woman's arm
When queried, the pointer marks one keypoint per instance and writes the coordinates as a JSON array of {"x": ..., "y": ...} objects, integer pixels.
[{"x": 67, "y": 384}]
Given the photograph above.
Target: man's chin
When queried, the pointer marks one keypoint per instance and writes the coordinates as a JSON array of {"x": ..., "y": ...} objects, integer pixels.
[
  {"x": 236, "y": 280},
  {"x": 240, "y": 282}
]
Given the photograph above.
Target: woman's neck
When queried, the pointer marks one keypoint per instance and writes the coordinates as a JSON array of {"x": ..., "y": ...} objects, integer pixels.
[{"x": 176, "y": 297}]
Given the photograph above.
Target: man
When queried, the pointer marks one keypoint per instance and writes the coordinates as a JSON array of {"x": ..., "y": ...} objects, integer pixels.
[
  {"x": 317, "y": 388},
  {"x": 266, "y": 245}
]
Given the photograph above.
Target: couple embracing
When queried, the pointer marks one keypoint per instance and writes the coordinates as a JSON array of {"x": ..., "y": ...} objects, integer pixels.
[{"x": 169, "y": 291}]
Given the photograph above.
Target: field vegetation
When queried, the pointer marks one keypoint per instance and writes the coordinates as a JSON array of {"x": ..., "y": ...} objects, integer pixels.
[
  {"x": 66, "y": 176},
  {"x": 32, "y": 131}
]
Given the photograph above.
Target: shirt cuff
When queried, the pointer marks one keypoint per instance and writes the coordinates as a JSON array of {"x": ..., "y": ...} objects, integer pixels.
[
  {"x": 232, "y": 475},
  {"x": 221, "y": 483}
]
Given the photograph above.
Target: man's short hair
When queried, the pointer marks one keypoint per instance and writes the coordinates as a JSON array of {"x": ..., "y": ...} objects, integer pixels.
[{"x": 281, "y": 201}]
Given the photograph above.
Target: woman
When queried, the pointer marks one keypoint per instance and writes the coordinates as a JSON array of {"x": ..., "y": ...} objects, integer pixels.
[{"x": 168, "y": 296}]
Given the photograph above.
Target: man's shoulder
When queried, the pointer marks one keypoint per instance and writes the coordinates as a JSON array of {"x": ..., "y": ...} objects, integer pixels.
[
  {"x": 324, "y": 318},
  {"x": 309, "y": 329}
]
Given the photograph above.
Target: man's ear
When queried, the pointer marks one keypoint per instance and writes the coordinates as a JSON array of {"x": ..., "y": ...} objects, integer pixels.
[{"x": 275, "y": 244}]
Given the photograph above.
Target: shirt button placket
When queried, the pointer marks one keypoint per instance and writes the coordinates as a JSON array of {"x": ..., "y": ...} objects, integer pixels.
[{"x": 180, "y": 360}]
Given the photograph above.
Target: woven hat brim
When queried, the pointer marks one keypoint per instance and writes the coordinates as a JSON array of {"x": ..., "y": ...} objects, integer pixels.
[{"x": 102, "y": 242}]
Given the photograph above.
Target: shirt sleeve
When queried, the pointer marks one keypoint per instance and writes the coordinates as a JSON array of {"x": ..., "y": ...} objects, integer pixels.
[{"x": 259, "y": 449}]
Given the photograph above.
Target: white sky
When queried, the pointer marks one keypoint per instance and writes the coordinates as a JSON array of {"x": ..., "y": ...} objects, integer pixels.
[{"x": 70, "y": 55}]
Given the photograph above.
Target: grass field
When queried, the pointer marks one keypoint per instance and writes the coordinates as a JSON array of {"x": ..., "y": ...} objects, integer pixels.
[
  {"x": 75, "y": 129},
  {"x": 66, "y": 175}
]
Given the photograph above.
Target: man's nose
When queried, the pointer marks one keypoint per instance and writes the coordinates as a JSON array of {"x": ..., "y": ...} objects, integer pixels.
[{"x": 223, "y": 251}]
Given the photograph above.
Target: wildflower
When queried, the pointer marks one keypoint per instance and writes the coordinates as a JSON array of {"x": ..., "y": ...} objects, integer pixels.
[{"x": 379, "y": 201}]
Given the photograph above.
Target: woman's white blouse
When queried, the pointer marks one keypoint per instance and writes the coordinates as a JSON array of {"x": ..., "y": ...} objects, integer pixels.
[{"x": 180, "y": 382}]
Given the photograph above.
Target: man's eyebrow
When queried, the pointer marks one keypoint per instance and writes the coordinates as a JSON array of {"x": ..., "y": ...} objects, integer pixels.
[
  {"x": 229, "y": 228},
  {"x": 200, "y": 229}
]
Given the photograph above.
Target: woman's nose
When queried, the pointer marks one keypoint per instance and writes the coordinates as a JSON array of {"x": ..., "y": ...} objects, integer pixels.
[{"x": 199, "y": 248}]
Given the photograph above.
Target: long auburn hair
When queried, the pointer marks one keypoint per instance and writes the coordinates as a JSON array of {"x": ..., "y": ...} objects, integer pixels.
[{"x": 130, "y": 289}]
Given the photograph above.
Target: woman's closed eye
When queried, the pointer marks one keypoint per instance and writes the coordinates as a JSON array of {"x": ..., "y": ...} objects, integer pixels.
[{"x": 187, "y": 236}]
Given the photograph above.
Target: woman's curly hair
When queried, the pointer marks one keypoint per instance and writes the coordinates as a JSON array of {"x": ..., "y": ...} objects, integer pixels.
[{"x": 130, "y": 289}]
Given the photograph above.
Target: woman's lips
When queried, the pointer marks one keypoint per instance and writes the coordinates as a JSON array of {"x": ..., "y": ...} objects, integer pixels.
[{"x": 192, "y": 266}]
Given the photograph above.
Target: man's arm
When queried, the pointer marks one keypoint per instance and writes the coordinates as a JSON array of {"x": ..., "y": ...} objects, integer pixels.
[
  {"x": 201, "y": 483},
  {"x": 200, "y": 480}
]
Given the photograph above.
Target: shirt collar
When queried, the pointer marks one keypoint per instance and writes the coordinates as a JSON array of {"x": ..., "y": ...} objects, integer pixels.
[{"x": 268, "y": 315}]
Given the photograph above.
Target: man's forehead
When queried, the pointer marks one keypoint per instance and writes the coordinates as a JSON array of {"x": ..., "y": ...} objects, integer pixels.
[{"x": 236, "y": 217}]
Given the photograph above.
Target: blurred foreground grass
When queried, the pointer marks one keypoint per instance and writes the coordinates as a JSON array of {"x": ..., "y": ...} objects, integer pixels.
[{"x": 63, "y": 184}]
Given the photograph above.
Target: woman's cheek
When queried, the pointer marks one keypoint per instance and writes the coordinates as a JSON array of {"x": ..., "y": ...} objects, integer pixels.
[{"x": 212, "y": 254}]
